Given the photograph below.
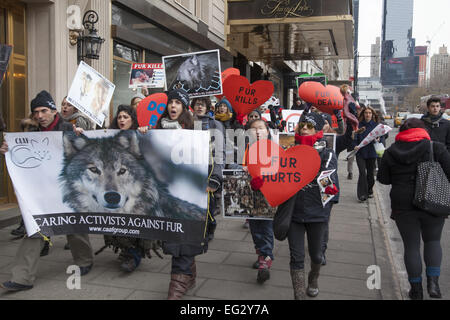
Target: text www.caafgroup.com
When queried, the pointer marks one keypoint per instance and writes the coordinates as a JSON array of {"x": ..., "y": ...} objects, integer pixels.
[{"x": 114, "y": 230}]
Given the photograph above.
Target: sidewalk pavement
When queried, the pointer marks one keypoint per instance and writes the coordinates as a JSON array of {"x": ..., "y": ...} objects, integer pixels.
[{"x": 357, "y": 241}]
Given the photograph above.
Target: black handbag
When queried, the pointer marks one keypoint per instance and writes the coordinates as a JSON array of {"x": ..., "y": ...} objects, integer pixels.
[
  {"x": 432, "y": 193},
  {"x": 282, "y": 218}
]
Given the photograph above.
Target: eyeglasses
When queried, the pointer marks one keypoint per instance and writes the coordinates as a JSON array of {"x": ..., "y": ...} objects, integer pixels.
[{"x": 308, "y": 125}]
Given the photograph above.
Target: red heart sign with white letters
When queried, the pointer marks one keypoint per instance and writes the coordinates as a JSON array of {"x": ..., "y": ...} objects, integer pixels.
[
  {"x": 150, "y": 109},
  {"x": 325, "y": 99},
  {"x": 245, "y": 97},
  {"x": 284, "y": 172}
]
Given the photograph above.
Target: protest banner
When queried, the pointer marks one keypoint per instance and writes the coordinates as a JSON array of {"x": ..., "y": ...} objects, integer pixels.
[
  {"x": 197, "y": 73},
  {"x": 91, "y": 93},
  {"x": 149, "y": 75},
  {"x": 283, "y": 172},
  {"x": 112, "y": 182},
  {"x": 291, "y": 117},
  {"x": 5, "y": 53},
  {"x": 240, "y": 201}
]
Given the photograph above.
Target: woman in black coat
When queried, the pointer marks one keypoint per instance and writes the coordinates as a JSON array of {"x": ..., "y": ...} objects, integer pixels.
[{"x": 398, "y": 167}]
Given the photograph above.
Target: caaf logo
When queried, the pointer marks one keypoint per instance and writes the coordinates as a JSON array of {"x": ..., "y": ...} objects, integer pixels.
[{"x": 29, "y": 153}]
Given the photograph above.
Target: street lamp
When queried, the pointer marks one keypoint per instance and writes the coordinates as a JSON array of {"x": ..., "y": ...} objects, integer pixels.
[{"x": 88, "y": 46}]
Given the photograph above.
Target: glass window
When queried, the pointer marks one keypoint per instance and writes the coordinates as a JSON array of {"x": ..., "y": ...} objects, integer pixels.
[
  {"x": 122, "y": 94},
  {"x": 126, "y": 52}
]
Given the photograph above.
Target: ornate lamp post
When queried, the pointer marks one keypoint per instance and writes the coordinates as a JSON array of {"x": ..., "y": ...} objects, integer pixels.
[{"x": 89, "y": 45}]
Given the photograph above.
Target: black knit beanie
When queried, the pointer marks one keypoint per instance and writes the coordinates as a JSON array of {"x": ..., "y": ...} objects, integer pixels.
[
  {"x": 314, "y": 118},
  {"x": 180, "y": 95},
  {"x": 43, "y": 99}
]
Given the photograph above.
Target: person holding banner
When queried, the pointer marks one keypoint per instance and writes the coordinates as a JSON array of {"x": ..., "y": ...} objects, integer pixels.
[
  {"x": 70, "y": 114},
  {"x": 184, "y": 269},
  {"x": 311, "y": 214},
  {"x": 132, "y": 249},
  {"x": 366, "y": 156},
  {"x": 27, "y": 257}
]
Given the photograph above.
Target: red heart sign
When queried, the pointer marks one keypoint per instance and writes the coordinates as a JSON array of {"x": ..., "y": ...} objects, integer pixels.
[
  {"x": 225, "y": 74},
  {"x": 150, "y": 109},
  {"x": 326, "y": 99},
  {"x": 245, "y": 97},
  {"x": 284, "y": 172}
]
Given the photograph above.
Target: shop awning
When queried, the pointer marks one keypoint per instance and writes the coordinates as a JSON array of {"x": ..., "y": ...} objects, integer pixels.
[{"x": 270, "y": 30}]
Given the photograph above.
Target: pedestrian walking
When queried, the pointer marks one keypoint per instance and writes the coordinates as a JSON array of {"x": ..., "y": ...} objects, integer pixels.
[
  {"x": 437, "y": 127},
  {"x": 399, "y": 168}
]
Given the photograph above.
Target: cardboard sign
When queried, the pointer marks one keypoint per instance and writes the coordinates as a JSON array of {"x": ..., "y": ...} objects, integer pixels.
[
  {"x": 198, "y": 73},
  {"x": 284, "y": 172},
  {"x": 225, "y": 74},
  {"x": 91, "y": 93},
  {"x": 240, "y": 201},
  {"x": 150, "y": 75},
  {"x": 291, "y": 117},
  {"x": 150, "y": 109},
  {"x": 245, "y": 97},
  {"x": 325, "y": 99}
]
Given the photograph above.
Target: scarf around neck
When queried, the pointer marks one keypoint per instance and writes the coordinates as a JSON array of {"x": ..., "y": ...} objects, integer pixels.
[
  {"x": 308, "y": 140},
  {"x": 223, "y": 117},
  {"x": 170, "y": 124},
  {"x": 413, "y": 134}
]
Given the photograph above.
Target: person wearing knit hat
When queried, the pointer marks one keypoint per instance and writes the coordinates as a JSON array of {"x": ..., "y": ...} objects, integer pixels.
[
  {"x": 177, "y": 114},
  {"x": 182, "y": 96},
  {"x": 44, "y": 110},
  {"x": 313, "y": 118},
  {"x": 43, "y": 99}
]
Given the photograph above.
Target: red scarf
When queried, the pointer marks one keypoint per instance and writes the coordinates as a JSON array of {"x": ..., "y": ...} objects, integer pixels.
[
  {"x": 52, "y": 125},
  {"x": 414, "y": 134},
  {"x": 308, "y": 140}
]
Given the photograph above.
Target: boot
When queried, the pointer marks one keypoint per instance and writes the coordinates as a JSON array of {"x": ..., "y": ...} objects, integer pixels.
[
  {"x": 264, "y": 269},
  {"x": 313, "y": 276},
  {"x": 433, "y": 287},
  {"x": 416, "y": 292},
  {"x": 179, "y": 285},
  {"x": 298, "y": 283},
  {"x": 45, "y": 249}
]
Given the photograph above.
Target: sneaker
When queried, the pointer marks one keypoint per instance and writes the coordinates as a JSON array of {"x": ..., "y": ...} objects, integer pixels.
[
  {"x": 350, "y": 176},
  {"x": 45, "y": 249},
  {"x": 264, "y": 269},
  {"x": 13, "y": 286},
  {"x": 85, "y": 270},
  {"x": 362, "y": 199}
]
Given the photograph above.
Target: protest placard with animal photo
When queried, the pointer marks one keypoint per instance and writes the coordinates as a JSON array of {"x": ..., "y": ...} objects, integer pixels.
[
  {"x": 326, "y": 99},
  {"x": 150, "y": 109},
  {"x": 112, "y": 182},
  {"x": 283, "y": 172},
  {"x": 148, "y": 75},
  {"x": 240, "y": 201},
  {"x": 246, "y": 97},
  {"x": 197, "y": 73},
  {"x": 91, "y": 93}
]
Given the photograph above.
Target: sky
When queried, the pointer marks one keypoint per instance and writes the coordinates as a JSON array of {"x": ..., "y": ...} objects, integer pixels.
[{"x": 429, "y": 21}]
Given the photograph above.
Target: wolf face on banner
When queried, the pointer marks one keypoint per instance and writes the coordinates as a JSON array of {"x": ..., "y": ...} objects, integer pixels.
[{"x": 111, "y": 175}]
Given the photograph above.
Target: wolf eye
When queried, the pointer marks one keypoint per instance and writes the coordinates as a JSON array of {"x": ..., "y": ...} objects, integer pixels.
[
  {"x": 94, "y": 170},
  {"x": 122, "y": 171}
]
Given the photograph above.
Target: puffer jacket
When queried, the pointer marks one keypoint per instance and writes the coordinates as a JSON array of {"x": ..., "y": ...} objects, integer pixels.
[{"x": 308, "y": 205}]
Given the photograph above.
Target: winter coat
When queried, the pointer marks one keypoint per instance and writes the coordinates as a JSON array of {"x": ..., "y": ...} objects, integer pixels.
[
  {"x": 399, "y": 167},
  {"x": 308, "y": 205},
  {"x": 438, "y": 128},
  {"x": 366, "y": 152},
  {"x": 81, "y": 121}
]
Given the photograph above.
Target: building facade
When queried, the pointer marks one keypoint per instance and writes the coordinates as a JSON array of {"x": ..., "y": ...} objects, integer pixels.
[
  {"x": 440, "y": 65},
  {"x": 375, "y": 51}
]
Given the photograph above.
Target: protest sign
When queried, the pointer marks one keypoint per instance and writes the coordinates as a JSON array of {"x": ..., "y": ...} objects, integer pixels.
[
  {"x": 240, "y": 201},
  {"x": 5, "y": 53},
  {"x": 291, "y": 117},
  {"x": 246, "y": 97},
  {"x": 284, "y": 173},
  {"x": 323, "y": 181},
  {"x": 326, "y": 99},
  {"x": 198, "y": 73},
  {"x": 287, "y": 140},
  {"x": 149, "y": 75},
  {"x": 150, "y": 109},
  {"x": 91, "y": 93},
  {"x": 112, "y": 182}
]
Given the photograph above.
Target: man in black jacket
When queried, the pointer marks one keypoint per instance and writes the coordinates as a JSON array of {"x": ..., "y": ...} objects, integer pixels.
[
  {"x": 27, "y": 257},
  {"x": 437, "y": 126}
]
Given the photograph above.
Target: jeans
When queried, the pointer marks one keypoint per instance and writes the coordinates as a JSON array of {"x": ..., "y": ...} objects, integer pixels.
[
  {"x": 296, "y": 238},
  {"x": 366, "y": 178},
  {"x": 262, "y": 234},
  {"x": 182, "y": 264}
]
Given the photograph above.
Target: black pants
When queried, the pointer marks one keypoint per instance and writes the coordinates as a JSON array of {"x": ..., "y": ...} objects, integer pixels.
[
  {"x": 412, "y": 226},
  {"x": 182, "y": 264},
  {"x": 296, "y": 238},
  {"x": 366, "y": 178}
]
